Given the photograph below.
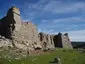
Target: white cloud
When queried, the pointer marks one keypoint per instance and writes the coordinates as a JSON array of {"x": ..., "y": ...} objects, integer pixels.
[
  {"x": 70, "y": 19},
  {"x": 45, "y": 21},
  {"x": 55, "y": 6},
  {"x": 78, "y": 35},
  {"x": 47, "y": 31},
  {"x": 62, "y": 7},
  {"x": 70, "y": 23},
  {"x": 67, "y": 19}
]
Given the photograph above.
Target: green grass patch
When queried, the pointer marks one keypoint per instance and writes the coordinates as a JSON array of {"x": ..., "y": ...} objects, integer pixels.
[{"x": 66, "y": 56}]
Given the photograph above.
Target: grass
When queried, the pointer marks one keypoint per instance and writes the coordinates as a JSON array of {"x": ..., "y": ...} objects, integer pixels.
[{"x": 66, "y": 56}]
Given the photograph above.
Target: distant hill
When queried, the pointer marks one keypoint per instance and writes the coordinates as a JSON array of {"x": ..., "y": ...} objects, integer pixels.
[{"x": 78, "y": 44}]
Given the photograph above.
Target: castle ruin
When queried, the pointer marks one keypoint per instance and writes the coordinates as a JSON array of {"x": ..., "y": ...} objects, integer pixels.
[{"x": 24, "y": 35}]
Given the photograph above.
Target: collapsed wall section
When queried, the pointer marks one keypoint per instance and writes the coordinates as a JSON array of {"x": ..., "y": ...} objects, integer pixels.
[{"x": 46, "y": 41}]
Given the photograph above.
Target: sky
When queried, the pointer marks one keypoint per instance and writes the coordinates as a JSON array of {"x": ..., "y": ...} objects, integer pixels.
[{"x": 52, "y": 16}]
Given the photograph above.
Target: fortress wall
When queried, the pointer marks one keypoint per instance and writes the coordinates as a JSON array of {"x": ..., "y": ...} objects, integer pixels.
[
  {"x": 46, "y": 41},
  {"x": 62, "y": 41},
  {"x": 66, "y": 43},
  {"x": 25, "y": 35}
]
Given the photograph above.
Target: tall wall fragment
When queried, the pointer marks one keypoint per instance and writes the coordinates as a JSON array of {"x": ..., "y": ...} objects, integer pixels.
[{"x": 62, "y": 41}]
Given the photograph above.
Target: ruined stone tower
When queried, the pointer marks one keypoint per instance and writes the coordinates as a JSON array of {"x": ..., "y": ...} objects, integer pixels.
[
  {"x": 10, "y": 23},
  {"x": 62, "y": 41},
  {"x": 66, "y": 41},
  {"x": 14, "y": 15}
]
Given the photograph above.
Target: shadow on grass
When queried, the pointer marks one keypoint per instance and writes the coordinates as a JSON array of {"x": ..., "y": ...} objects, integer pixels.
[{"x": 52, "y": 62}]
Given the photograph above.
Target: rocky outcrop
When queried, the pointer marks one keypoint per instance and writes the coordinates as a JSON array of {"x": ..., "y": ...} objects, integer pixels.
[
  {"x": 24, "y": 35},
  {"x": 5, "y": 42}
]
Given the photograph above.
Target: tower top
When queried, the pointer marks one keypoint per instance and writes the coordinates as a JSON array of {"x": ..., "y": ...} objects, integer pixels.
[{"x": 14, "y": 9}]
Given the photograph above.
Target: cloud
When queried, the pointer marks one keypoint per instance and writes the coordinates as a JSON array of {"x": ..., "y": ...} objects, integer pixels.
[
  {"x": 78, "y": 35},
  {"x": 47, "y": 31},
  {"x": 49, "y": 7},
  {"x": 63, "y": 24},
  {"x": 53, "y": 16},
  {"x": 62, "y": 7},
  {"x": 70, "y": 19}
]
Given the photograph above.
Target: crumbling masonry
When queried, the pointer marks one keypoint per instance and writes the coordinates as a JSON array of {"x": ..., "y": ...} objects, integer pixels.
[{"x": 24, "y": 35}]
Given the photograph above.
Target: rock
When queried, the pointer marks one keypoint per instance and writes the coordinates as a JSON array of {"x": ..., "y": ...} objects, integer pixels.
[
  {"x": 5, "y": 43},
  {"x": 57, "y": 60}
]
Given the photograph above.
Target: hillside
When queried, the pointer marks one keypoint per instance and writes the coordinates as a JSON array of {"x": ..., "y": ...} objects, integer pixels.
[
  {"x": 66, "y": 57},
  {"x": 77, "y": 44}
]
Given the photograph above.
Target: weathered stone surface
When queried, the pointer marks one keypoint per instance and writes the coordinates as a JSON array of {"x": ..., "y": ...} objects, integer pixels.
[
  {"x": 10, "y": 23},
  {"x": 46, "y": 41},
  {"x": 13, "y": 28},
  {"x": 62, "y": 41},
  {"x": 66, "y": 41},
  {"x": 28, "y": 31},
  {"x": 24, "y": 35},
  {"x": 5, "y": 43}
]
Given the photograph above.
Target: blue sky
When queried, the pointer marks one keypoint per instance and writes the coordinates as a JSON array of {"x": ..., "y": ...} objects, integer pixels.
[{"x": 52, "y": 16}]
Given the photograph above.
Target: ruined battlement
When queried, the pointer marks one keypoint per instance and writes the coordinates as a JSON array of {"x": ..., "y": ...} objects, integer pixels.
[{"x": 24, "y": 35}]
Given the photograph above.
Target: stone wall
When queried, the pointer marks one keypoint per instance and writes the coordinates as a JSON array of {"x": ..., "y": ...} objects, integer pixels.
[
  {"x": 66, "y": 41},
  {"x": 63, "y": 41},
  {"x": 28, "y": 34},
  {"x": 10, "y": 23},
  {"x": 24, "y": 35},
  {"x": 57, "y": 40},
  {"x": 46, "y": 41}
]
